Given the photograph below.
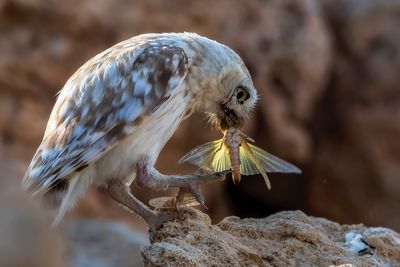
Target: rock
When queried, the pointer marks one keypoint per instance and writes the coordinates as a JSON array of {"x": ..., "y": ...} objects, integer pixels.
[
  {"x": 288, "y": 238},
  {"x": 93, "y": 243}
]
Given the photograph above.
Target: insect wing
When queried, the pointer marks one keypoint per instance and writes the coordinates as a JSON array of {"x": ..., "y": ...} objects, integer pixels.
[
  {"x": 220, "y": 161},
  {"x": 272, "y": 163},
  {"x": 212, "y": 156},
  {"x": 254, "y": 165},
  {"x": 247, "y": 167}
]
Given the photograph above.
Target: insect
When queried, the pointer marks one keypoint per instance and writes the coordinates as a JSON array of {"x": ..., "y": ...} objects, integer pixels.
[{"x": 234, "y": 152}]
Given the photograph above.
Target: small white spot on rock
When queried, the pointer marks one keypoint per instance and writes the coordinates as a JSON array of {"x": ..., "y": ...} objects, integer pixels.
[{"x": 355, "y": 243}]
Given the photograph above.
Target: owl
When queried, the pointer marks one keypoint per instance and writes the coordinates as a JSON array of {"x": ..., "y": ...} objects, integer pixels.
[{"x": 116, "y": 112}]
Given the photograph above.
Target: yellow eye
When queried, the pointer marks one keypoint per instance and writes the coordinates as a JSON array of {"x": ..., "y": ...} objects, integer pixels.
[{"x": 242, "y": 95}]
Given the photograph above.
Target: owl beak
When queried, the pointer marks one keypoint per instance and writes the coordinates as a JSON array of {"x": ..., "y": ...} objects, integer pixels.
[{"x": 229, "y": 118}]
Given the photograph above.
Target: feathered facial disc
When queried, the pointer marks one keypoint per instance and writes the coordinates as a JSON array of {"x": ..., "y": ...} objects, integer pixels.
[{"x": 239, "y": 99}]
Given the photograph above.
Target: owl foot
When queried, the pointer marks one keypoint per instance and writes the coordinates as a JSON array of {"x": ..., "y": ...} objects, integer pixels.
[
  {"x": 148, "y": 177},
  {"x": 192, "y": 185},
  {"x": 121, "y": 193}
]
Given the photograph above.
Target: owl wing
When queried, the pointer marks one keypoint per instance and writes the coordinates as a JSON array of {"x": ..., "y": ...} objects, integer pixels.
[{"x": 101, "y": 104}]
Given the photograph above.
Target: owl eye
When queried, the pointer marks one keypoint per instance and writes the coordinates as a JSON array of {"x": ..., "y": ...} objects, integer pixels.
[{"x": 242, "y": 95}]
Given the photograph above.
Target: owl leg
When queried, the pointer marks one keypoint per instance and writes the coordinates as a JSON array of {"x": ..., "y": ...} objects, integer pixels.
[
  {"x": 148, "y": 177},
  {"x": 121, "y": 193}
]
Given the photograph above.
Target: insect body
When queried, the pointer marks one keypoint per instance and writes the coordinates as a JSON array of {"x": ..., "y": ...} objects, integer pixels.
[
  {"x": 232, "y": 140},
  {"x": 234, "y": 152}
]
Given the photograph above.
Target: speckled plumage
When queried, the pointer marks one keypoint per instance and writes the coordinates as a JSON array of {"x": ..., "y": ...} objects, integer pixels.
[{"x": 125, "y": 103}]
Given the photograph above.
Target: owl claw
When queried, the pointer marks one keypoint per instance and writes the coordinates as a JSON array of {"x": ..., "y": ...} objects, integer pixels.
[
  {"x": 148, "y": 177},
  {"x": 179, "y": 198},
  {"x": 195, "y": 191},
  {"x": 193, "y": 182}
]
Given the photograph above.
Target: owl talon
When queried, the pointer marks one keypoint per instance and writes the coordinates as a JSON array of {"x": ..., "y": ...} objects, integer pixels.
[
  {"x": 193, "y": 183},
  {"x": 191, "y": 188},
  {"x": 195, "y": 191},
  {"x": 179, "y": 198}
]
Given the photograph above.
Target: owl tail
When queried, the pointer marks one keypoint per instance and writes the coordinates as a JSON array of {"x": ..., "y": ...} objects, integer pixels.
[{"x": 64, "y": 196}]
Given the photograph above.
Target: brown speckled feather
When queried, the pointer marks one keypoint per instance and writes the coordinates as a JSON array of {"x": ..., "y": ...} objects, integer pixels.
[{"x": 101, "y": 104}]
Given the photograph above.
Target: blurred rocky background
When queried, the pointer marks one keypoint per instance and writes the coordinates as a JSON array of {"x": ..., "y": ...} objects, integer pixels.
[{"x": 327, "y": 73}]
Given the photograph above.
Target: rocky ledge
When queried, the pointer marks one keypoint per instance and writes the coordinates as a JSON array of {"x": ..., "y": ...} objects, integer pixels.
[{"x": 289, "y": 238}]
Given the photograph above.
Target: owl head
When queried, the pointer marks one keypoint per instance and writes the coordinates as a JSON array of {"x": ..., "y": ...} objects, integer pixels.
[
  {"x": 238, "y": 97},
  {"x": 229, "y": 95}
]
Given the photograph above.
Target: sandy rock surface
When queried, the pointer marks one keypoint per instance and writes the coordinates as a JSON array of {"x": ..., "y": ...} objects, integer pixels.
[{"x": 288, "y": 238}]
